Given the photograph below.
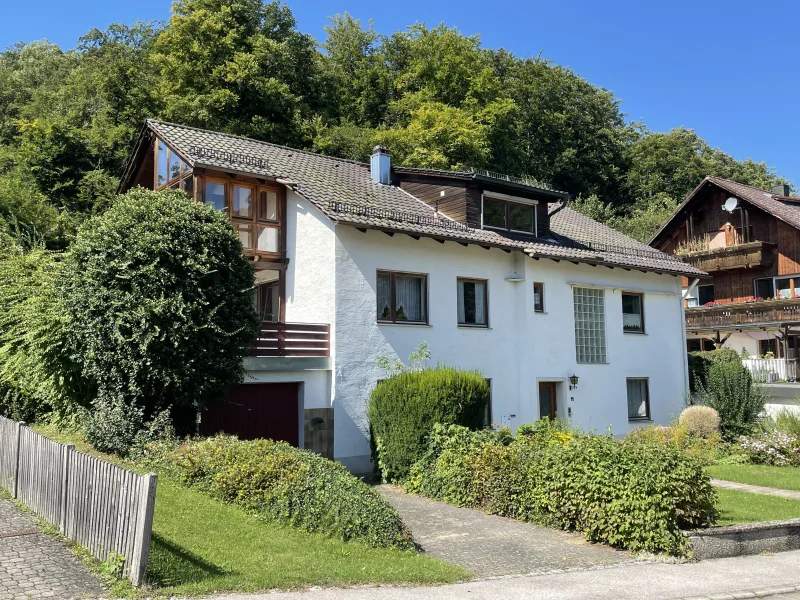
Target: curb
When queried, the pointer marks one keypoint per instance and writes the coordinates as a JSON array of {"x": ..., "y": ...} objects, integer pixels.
[{"x": 753, "y": 594}]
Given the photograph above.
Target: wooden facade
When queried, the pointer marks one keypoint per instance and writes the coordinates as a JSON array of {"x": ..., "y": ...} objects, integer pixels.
[
  {"x": 744, "y": 246},
  {"x": 462, "y": 198}
]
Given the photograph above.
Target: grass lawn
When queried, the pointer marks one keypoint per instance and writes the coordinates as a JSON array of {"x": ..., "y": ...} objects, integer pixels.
[
  {"x": 201, "y": 546},
  {"x": 786, "y": 478},
  {"x": 744, "y": 507}
]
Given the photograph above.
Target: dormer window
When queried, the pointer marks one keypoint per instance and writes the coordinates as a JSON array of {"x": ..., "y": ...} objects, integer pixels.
[{"x": 509, "y": 213}]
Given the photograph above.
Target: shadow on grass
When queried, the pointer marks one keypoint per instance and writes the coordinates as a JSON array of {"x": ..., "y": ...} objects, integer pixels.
[{"x": 172, "y": 565}]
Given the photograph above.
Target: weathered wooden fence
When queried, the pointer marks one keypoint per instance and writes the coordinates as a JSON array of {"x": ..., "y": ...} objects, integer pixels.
[{"x": 99, "y": 505}]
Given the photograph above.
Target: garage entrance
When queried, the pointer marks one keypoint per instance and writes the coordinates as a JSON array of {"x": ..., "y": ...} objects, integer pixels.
[{"x": 256, "y": 410}]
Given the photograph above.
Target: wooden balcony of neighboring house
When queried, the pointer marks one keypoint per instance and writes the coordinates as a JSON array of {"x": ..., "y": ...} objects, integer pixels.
[
  {"x": 290, "y": 346},
  {"x": 744, "y": 315},
  {"x": 729, "y": 258}
]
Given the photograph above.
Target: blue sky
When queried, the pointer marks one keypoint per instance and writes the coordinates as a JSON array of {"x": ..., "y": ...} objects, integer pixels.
[{"x": 729, "y": 69}]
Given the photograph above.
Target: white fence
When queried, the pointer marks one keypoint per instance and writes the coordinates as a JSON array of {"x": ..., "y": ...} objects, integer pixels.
[
  {"x": 769, "y": 370},
  {"x": 99, "y": 505}
]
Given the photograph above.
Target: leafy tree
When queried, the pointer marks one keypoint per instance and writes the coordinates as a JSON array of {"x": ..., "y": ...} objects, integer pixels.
[
  {"x": 160, "y": 300},
  {"x": 239, "y": 66}
]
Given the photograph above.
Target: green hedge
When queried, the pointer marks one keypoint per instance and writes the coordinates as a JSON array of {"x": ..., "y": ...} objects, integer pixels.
[
  {"x": 634, "y": 494},
  {"x": 290, "y": 486},
  {"x": 701, "y": 362},
  {"x": 404, "y": 408}
]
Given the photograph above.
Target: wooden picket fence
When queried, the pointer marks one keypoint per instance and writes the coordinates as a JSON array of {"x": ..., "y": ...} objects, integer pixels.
[{"x": 103, "y": 507}]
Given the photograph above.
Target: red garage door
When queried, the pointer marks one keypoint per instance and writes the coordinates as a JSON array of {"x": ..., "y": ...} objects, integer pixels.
[{"x": 256, "y": 410}]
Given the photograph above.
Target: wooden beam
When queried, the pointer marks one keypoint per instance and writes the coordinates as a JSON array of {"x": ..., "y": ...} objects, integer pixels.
[{"x": 389, "y": 233}]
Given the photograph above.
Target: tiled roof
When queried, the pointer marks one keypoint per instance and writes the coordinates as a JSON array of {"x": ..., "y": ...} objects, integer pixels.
[
  {"x": 785, "y": 208},
  {"x": 346, "y": 193}
]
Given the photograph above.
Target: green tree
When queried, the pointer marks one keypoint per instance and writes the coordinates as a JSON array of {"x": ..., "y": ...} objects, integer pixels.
[{"x": 160, "y": 297}]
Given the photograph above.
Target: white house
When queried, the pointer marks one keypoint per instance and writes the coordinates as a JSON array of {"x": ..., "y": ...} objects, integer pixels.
[{"x": 566, "y": 317}]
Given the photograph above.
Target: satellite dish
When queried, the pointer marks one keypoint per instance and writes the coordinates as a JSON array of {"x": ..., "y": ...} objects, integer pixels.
[{"x": 731, "y": 204}]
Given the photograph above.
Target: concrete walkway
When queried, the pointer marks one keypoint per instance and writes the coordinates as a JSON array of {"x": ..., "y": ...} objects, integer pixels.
[
  {"x": 725, "y": 578},
  {"x": 490, "y": 546},
  {"x": 756, "y": 489},
  {"x": 35, "y": 565}
]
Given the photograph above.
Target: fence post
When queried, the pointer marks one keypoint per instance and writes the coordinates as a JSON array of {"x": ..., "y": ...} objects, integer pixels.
[
  {"x": 20, "y": 425},
  {"x": 66, "y": 458},
  {"x": 144, "y": 527}
]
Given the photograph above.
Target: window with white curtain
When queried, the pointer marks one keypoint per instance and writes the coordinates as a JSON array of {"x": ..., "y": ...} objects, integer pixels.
[
  {"x": 638, "y": 400},
  {"x": 473, "y": 302},
  {"x": 590, "y": 325},
  {"x": 633, "y": 313},
  {"x": 402, "y": 297}
]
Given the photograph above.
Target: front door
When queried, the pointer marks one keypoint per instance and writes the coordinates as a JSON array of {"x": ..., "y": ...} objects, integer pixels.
[{"x": 547, "y": 400}]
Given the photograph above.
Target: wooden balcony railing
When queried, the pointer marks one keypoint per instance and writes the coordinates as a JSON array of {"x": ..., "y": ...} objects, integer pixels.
[
  {"x": 292, "y": 339},
  {"x": 729, "y": 316},
  {"x": 741, "y": 256}
]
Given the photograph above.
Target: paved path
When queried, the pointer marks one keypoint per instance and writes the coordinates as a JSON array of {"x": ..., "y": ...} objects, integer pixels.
[
  {"x": 756, "y": 489},
  {"x": 488, "y": 545},
  {"x": 35, "y": 565},
  {"x": 724, "y": 578}
]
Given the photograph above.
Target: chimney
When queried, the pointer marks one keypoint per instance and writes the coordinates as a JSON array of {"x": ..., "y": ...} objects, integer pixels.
[
  {"x": 380, "y": 165},
  {"x": 781, "y": 189}
]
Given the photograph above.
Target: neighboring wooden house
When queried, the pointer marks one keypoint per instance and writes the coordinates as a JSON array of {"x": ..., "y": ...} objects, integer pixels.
[
  {"x": 748, "y": 239},
  {"x": 566, "y": 317}
]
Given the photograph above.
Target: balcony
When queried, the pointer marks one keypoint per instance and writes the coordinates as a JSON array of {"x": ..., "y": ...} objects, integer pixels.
[
  {"x": 729, "y": 258},
  {"x": 743, "y": 315},
  {"x": 292, "y": 340}
]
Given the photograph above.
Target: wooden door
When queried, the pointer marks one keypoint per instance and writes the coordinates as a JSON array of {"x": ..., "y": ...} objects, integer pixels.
[
  {"x": 548, "y": 404},
  {"x": 256, "y": 410}
]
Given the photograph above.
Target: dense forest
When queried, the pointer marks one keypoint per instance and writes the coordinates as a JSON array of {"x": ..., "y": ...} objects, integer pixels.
[{"x": 434, "y": 96}]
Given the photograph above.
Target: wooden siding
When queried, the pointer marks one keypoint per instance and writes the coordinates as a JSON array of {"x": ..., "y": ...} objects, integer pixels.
[
  {"x": 453, "y": 204},
  {"x": 102, "y": 507}
]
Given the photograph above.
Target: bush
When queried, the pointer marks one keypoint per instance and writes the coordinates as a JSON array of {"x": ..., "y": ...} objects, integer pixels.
[
  {"x": 701, "y": 362},
  {"x": 729, "y": 389},
  {"x": 635, "y": 493},
  {"x": 115, "y": 427},
  {"x": 160, "y": 299},
  {"x": 404, "y": 408},
  {"x": 290, "y": 486},
  {"x": 704, "y": 450},
  {"x": 700, "y": 421},
  {"x": 788, "y": 421},
  {"x": 772, "y": 448}
]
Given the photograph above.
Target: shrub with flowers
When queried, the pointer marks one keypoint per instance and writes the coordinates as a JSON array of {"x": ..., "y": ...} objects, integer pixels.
[{"x": 772, "y": 448}]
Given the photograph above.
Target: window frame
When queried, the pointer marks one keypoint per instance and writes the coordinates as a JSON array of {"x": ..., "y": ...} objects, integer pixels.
[
  {"x": 508, "y": 201},
  {"x": 185, "y": 172},
  {"x": 539, "y": 310},
  {"x": 641, "y": 330},
  {"x": 393, "y": 297},
  {"x": 485, "y": 283},
  {"x": 254, "y": 222},
  {"x": 602, "y": 356},
  {"x": 755, "y": 286},
  {"x": 708, "y": 285},
  {"x": 649, "y": 414}
]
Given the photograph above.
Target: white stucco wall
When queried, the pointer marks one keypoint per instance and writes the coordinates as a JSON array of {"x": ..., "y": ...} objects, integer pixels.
[{"x": 519, "y": 348}]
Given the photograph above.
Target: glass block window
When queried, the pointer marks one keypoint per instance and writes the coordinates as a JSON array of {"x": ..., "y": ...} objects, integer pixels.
[
  {"x": 638, "y": 400},
  {"x": 590, "y": 325}
]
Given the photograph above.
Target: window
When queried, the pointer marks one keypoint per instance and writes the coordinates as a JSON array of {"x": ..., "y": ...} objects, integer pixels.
[
  {"x": 512, "y": 216},
  {"x": 538, "y": 297},
  {"x": 787, "y": 287},
  {"x": 161, "y": 177},
  {"x": 705, "y": 294},
  {"x": 472, "y": 302},
  {"x": 242, "y": 202},
  {"x": 638, "y": 400},
  {"x": 402, "y": 297},
  {"x": 633, "y": 313},
  {"x": 590, "y": 325},
  {"x": 170, "y": 168},
  {"x": 764, "y": 288},
  {"x": 215, "y": 195},
  {"x": 767, "y": 346}
]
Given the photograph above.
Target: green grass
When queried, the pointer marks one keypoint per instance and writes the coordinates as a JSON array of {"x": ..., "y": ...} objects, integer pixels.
[
  {"x": 785, "y": 478},
  {"x": 744, "y": 507},
  {"x": 202, "y": 546}
]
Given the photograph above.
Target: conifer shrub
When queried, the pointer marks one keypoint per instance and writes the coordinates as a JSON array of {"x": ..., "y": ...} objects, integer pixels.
[
  {"x": 730, "y": 390},
  {"x": 289, "y": 486},
  {"x": 635, "y": 493},
  {"x": 404, "y": 408}
]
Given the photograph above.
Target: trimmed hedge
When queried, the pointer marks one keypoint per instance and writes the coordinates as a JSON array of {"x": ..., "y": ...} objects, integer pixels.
[
  {"x": 290, "y": 486},
  {"x": 631, "y": 493},
  {"x": 404, "y": 408},
  {"x": 701, "y": 362}
]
